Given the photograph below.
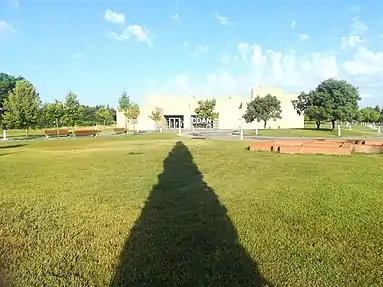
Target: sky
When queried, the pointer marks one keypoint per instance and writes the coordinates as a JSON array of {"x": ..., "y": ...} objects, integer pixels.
[{"x": 97, "y": 49}]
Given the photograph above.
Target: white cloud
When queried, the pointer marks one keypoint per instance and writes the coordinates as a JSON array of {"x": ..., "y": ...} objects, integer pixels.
[
  {"x": 6, "y": 29},
  {"x": 351, "y": 41},
  {"x": 357, "y": 26},
  {"x": 16, "y": 4},
  {"x": 200, "y": 50},
  {"x": 136, "y": 31},
  {"x": 176, "y": 18},
  {"x": 78, "y": 55},
  {"x": 293, "y": 23},
  {"x": 303, "y": 37},
  {"x": 185, "y": 44},
  {"x": 253, "y": 65},
  {"x": 224, "y": 20},
  {"x": 114, "y": 17}
]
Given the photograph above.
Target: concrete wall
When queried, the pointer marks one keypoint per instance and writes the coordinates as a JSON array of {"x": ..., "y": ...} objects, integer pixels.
[{"x": 230, "y": 109}]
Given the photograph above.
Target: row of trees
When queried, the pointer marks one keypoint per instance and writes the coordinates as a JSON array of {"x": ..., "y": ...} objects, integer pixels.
[
  {"x": 335, "y": 100},
  {"x": 21, "y": 107}
]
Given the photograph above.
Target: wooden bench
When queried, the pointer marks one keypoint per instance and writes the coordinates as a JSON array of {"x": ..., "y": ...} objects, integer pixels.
[
  {"x": 84, "y": 133},
  {"x": 120, "y": 130},
  {"x": 55, "y": 133}
]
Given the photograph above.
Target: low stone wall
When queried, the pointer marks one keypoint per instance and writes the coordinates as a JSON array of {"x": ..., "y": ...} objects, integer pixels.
[{"x": 320, "y": 146}]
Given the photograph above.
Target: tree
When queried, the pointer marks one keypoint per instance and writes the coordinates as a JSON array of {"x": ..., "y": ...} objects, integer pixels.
[
  {"x": 205, "y": 110},
  {"x": 21, "y": 107},
  {"x": 368, "y": 115},
  {"x": 155, "y": 116},
  {"x": 73, "y": 111},
  {"x": 332, "y": 99},
  {"x": 53, "y": 113},
  {"x": 263, "y": 109},
  {"x": 132, "y": 114},
  {"x": 103, "y": 114},
  {"x": 124, "y": 104},
  {"x": 313, "y": 106},
  {"x": 7, "y": 84}
]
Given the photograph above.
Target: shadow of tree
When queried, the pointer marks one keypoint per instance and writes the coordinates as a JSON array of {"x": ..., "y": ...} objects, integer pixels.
[
  {"x": 184, "y": 236},
  {"x": 11, "y": 146}
]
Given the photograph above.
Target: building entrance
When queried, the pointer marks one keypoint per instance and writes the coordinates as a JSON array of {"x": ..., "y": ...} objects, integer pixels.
[{"x": 174, "y": 121}]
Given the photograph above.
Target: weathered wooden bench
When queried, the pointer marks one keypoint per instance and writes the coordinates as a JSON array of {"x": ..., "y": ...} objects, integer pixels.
[
  {"x": 84, "y": 133},
  {"x": 120, "y": 130},
  {"x": 55, "y": 133}
]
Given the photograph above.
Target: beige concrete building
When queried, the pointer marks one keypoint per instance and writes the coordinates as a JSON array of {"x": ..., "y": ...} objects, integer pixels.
[{"x": 178, "y": 110}]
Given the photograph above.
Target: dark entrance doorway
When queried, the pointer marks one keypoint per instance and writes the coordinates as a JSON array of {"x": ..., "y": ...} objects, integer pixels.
[{"x": 174, "y": 121}]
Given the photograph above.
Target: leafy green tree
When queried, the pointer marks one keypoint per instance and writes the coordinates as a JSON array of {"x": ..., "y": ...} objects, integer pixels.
[
  {"x": 21, "y": 107},
  {"x": 132, "y": 114},
  {"x": 155, "y": 116},
  {"x": 103, "y": 115},
  {"x": 73, "y": 111},
  {"x": 88, "y": 117},
  {"x": 53, "y": 113},
  {"x": 205, "y": 110},
  {"x": 368, "y": 115},
  {"x": 332, "y": 99},
  {"x": 263, "y": 109},
  {"x": 124, "y": 104},
  {"x": 313, "y": 106},
  {"x": 7, "y": 84}
]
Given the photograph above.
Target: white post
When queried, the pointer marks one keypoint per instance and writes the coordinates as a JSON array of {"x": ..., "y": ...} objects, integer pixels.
[
  {"x": 179, "y": 130},
  {"x": 349, "y": 127},
  {"x": 160, "y": 129},
  {"x": 241, "y": 134},
  {"x": 339, "y": 134},
  {"x": 193, "y": 130},
  {"x": 256, "y": 131},
  {"x": 4, "y": 135},
  {"x": 378, "y": 129}
]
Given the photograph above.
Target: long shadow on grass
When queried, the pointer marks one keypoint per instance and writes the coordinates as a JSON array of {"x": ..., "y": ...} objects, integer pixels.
[
  {"x": 11, "y": 146},
  {"x": 184, "y": 236}
]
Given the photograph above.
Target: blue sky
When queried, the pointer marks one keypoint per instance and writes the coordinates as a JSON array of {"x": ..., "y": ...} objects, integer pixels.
[{"x": 99, "y": 48}]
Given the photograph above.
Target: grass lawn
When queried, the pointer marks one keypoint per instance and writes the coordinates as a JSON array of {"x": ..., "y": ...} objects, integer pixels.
[
  {"x": 36, "y": 133},
  {"x": 325, "y": 131},
  {"x": 149, "y": 210}
]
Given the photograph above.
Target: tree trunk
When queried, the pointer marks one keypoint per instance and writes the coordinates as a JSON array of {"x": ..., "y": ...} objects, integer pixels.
[
  {"x": 332, "y": 124},
  {"x": 134, "y": 128},
  {"x": 26, "y": 132},
  {"x": 57, "y": 128},
  {"x": 126, "y": 127},
  {"x": 318, "y": 124},
  {"x": 264, "y": 125}
]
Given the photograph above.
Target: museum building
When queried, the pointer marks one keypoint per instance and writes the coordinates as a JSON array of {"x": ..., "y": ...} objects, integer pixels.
[{"x": 178, "y": 111}]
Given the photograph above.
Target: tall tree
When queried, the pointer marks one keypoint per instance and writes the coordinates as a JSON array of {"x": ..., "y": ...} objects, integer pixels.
[
  {"x": 155, "y": 116},
  {"x": 263, "y": 109},
  {"x": 103, "y": 115},
  {"x": 7, "y": 84},
  {"x": 332, "y": 99},
  {"x": 206, "y": 110},
  {"x": 73, "y": 111},
  {"x": 53, "y": 113},
  {"x": 124, "y": 104},
  {"x": 313, "y": 106},
  {"x": 132, "y": 114},
  {"x": 21, "y": 107}
]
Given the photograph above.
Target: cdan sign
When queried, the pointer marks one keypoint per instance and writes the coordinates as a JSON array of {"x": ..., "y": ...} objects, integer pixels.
[{"x": 202, "y": 121}]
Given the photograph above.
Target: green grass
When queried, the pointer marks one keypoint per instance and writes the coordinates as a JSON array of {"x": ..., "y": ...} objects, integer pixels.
[
  {"x": 36, "y": 133},
  {"x": 311, "y": 131},
  {"x": 148, "y": 211}
]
